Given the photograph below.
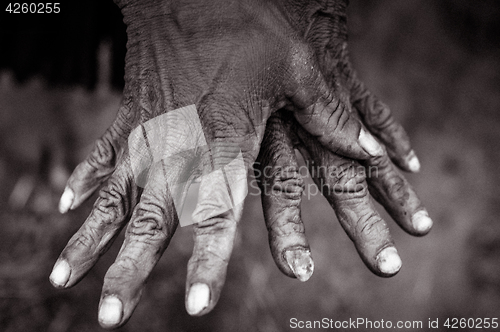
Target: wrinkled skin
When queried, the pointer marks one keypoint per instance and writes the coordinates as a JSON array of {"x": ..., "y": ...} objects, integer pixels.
[
  {"x": 343, "y": 181},
  {"x": 265, "y": 77}
]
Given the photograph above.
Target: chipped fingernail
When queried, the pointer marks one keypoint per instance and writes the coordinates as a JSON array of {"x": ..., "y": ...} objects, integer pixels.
[
  {"x": 370, "y": 144},
  {"x": 421, "y": 221},
  {"x": 110, "y": 312},
  {"x": 198, "y": 298},
  {"x": 413, "y": 162},
  {"x": 66, "y": 201},
  {"x": 389, "y": 261},
  {"x": 60, "y": 273},
  {"x": 301, "y": 263}
]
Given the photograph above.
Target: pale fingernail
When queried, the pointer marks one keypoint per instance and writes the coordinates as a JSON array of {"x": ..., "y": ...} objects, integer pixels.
[
  {"x": 198, "y": 298},
  {"x": 301, "y": 263},
  {"x": 60, "y": 273},
  {"x": 110, "y": 312},
  {"x": 389, "y": 261},
  {"x": 421, "y": 221},
  {"x": 370, "y": 144},
  {"x": 66, "y": 200},
  {"x": 413, "y": 162}
]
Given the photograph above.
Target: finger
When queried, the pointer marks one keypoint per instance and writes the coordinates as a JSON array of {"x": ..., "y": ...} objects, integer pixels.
[
  {"x": 164, "y": 162},
  {"x": 213, "y": 243},
  {"x": 220, "y": 203},
  {"x": 99, "y": 165},
  {"x": 152, "y": 141},
  {"x": 207, "y": 267},
  {"x": 342, "y": 182},
  {"x": 149, "y": 231},
  {"x": 281, "y": 185},
  {"x": 391, "y": 189},
  {"x": 233, "y": 136},
  {"x": 110, "y": 213},
  {"x": 379, "y": 120},
  {"x": 326, "y": 113}
]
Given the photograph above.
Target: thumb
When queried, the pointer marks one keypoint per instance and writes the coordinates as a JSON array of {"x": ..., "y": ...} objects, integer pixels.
[{"x": 326, "y": 113}]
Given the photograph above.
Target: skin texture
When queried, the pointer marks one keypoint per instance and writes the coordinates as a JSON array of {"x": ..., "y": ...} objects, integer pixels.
[
  {"x": 265, "y": 78},
  {"x": 344, "y": 182}
]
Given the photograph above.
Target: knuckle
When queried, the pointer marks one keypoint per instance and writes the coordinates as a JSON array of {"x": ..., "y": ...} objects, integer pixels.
[
  {"x": 379, "y": 115},
  {"x": 286, "y": 182},
  {"x": 397, "y": 188},
  {"x": 379, "y": 167},
  {"x": 113, "y": 203},
  {"x": 128, "y": 264},
  {"x": 103, "y": 157},
  {"x": 215, "y": 226},
  {"x": 358, "y": 90},
  {"x": 148, "y": 222},
  {"x": 210, "y": 254},
  {"x": 285, "y": 228},
  {"x": 345, "y": 179},
  {"x": 124, "y": 269},
  {"x": 381, "y": 163},
  {"x": 370, "y": 225},
  {"x": 87, "y": 239},
  {"x": 125, "y": 121}
]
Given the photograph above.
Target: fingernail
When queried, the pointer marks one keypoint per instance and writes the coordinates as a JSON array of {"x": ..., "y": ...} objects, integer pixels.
[
  {"x": 198, "y": 298},
  {"x": 389, "y": 261},
  {"x": 370, "y": 144},
  {"x": 301, "y": 263},
  {"x": 60, "y": 273},
  {"x": 413, "y": 162},
  {"x": 66, "y": 200},
  {"x": 110, "y": 312},
  {"x": 421, "y": 221}
]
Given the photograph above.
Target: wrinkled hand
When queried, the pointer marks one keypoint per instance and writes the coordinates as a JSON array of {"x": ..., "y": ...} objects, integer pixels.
[
  {"x": 202, "y": 79},
  {"x": 346, "y": 183}
]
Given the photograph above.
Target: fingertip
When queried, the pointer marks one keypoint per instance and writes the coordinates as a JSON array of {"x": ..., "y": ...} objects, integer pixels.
[
  {"x": 389, "y": 262},
  {"x": 66, "y": 200},
  {"x": 422, "y": 222},
  {"x": 110, "y": 311},
  {"x": 413, "y": 162},
  {"x": 370, "y": 144},
  {"x": 301, "y": 263},
  {"x": 198, "y": 298},
  {"x": 60, "y": 274}
]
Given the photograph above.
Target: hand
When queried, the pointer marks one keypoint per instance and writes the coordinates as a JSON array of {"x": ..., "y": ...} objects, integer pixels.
[
  {"x": 346, "y": 183},
  {"x": 236, "y": 64}
]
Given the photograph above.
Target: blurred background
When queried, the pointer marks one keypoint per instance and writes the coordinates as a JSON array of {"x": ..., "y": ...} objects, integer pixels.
[{"x": 435, "y": 63}]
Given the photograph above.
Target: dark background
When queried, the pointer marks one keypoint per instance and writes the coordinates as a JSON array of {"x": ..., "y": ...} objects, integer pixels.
[{"x": 436, "y": 63}]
